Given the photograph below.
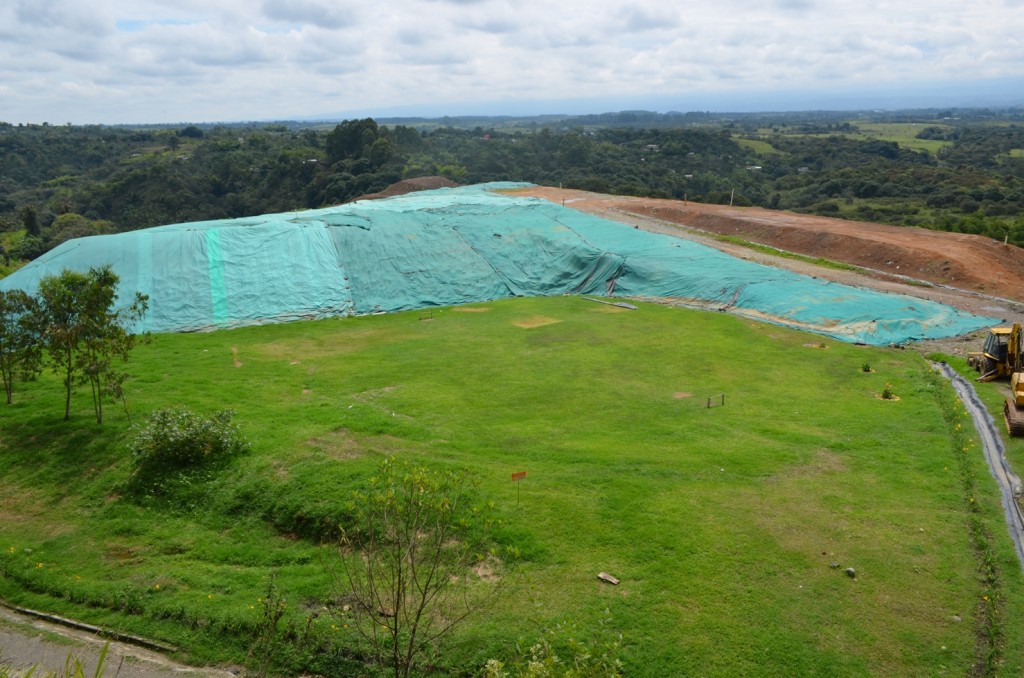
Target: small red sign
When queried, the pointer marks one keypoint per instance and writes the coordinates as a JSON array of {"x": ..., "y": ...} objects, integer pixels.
[{"x": 518, "y": 475}]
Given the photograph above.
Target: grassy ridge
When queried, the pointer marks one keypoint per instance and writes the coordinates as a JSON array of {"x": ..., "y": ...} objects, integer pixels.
[{"x": 722, "y": 523}]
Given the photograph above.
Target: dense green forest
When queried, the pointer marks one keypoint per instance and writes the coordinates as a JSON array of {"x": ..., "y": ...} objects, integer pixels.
[{"x": 957, "y": 170}]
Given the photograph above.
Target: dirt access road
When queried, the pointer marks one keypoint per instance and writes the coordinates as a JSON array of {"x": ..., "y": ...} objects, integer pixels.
[{"x": 969, "y": 272}]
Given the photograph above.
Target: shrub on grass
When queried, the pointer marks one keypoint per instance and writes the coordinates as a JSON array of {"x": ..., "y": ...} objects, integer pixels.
[
  {"x": 175, "y": 441},
  {"x": 175, "y": 438},
  {"x": 565, "y": 651}
]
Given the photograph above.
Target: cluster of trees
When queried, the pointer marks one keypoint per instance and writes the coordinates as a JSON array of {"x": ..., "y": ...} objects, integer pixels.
[
  {"x": 74, "y": 327},
  {"x": 63, "y": 182}
]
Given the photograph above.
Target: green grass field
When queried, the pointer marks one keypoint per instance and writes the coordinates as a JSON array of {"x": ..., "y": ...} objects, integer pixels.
[
  {"x": 904, "y": 134},
  {"x": 758, "y": 146},
  {"x": 730, "y": 527}
]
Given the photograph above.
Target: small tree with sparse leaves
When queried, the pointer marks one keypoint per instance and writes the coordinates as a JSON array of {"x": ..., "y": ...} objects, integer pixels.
[
  {"x": 20, "y": 353},
  {"x": 84, "y": 333},
  {"x": 406, "y": 567}
]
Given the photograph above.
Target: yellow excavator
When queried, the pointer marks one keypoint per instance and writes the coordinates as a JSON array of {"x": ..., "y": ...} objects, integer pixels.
[
  {"x": 1013, "y": 407},
  {"x": 1000, "y": 356}
]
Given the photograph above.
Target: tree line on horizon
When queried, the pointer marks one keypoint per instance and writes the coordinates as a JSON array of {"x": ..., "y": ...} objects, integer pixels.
[{"x": 964, "y": 173}]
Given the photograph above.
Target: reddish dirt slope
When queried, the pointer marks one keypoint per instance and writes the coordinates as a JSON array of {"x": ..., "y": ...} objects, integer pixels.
[
  {"x": 410, "y": 185},
  {"x": 968, "y": 262}
]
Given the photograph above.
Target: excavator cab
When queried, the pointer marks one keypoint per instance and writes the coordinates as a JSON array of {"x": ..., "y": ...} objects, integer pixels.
[
  {"x": 996, "y": 344},
  {"x": 1000, "y": 355}
]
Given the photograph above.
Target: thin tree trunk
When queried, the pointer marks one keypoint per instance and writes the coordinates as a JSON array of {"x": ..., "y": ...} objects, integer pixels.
[
  {"x": 8, "y": 375},
  {"x": 67, "y": 398}
]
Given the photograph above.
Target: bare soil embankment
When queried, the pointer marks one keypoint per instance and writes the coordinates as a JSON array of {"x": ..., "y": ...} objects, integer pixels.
[{"x": 969, "y": 272}]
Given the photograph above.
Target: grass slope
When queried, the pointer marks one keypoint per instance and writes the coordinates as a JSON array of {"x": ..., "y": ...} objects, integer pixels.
[{"x": 724, "y": 524}]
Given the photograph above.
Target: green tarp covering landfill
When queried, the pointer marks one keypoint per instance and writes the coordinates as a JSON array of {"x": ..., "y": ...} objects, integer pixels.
[{"x": 456, "y": 246}]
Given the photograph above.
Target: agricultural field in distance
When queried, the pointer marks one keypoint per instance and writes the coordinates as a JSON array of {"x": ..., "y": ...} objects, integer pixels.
[
  {"x": 904, "y": 134},
  {"x": 731, "y": 528}
]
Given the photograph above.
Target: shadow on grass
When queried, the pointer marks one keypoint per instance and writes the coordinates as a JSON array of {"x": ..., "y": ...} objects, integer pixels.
[{"x": 42, "y": 449}]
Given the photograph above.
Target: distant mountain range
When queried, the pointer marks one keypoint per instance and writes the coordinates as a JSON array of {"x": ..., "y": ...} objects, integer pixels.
[{"x": 1004, "y": 92}]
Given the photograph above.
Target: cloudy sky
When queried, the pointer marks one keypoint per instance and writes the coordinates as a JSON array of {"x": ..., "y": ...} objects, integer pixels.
[{"x": 138, "y": 61}]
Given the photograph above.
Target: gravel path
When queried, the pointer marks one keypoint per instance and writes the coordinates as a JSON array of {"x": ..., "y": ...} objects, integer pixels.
[{"x": 26, "y": 641}]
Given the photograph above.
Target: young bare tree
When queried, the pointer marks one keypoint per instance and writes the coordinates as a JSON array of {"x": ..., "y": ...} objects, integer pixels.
[{"x": 406, "y": 570}]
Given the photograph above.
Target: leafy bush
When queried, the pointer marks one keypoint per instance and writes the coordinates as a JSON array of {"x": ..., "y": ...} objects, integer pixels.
[
  {"x": 565, "y": 651},
  {"x": 176, "y": 439}
]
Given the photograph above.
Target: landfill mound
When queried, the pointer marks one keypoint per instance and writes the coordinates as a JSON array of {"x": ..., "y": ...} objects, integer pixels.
[
  {"x": 460, "y": 245},
  {"x": 960, "y": 260}
]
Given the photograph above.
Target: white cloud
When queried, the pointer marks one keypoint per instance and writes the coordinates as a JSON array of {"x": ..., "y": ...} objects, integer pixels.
[
  {"x": 59, "y": 15},
  {"x": 322, "y": 13},
  {"x": 638, "y": 18},
  {"x": 180, "y": 60}
]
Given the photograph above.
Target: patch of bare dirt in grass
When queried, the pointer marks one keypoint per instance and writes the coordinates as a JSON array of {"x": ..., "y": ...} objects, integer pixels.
[
  {"x": 372, "y": 394},
  {"x": 338, "y": 445},
  {"x": 324, "y": 344},
  {"x": 19, "y": 506},
  {"x": 825, "y": 462},
  {"x": 607, "y": 308},
  {"x": 488, "y": 569},
  {"x": 535, "y": 321},
  {"x": 281, "y": 470},
  {"x": 123, "y": 554},
  {"x": 471, "y": 309}
]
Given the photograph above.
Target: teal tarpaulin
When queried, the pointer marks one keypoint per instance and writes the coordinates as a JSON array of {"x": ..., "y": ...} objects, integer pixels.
[{"x": 456, "y": 246}]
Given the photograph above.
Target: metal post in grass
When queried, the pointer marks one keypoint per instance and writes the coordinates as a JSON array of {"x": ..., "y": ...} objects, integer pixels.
[
  {"x": 716, "y": 401},
  {"x": 516, "y": 478}
]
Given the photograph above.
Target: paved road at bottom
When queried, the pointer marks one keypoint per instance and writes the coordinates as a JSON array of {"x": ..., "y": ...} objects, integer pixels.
[{"x": 27, "y": 642}]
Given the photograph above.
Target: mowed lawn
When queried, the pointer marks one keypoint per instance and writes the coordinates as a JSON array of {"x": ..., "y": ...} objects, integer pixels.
[{"x": 730, "y": 527}]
